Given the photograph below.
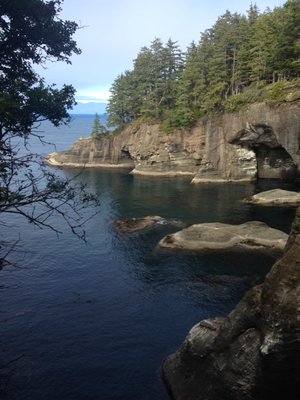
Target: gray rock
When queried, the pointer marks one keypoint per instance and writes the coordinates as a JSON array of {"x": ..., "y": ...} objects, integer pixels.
[
  {"x": 218, "y": 236},
  {"x": 275, "y": 197},
  {"x": 253, "y": 353}
]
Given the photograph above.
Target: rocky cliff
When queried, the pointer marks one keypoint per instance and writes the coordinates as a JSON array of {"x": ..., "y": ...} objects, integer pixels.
[
  {"x": 262, "y": 141},
  {"x": 253, "y": 353}
]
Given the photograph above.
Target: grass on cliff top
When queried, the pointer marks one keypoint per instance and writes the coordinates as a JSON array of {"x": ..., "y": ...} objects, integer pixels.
[{"x": 273, "y": 94}]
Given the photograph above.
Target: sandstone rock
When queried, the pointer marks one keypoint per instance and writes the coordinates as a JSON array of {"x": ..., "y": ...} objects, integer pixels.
[
  {"x": 129, "y": 225},
  {"x": 97, "y": 153},
  {"x": 275, "y": 197},
  {"x": 253, "y": 353},
  {"x": 259, "y": 142},
  {"x": 218, "y": 236}
]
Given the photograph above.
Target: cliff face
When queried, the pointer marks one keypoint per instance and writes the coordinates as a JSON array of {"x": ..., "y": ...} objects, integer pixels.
[
  {"x": 253, "y": 353},
  {"x": 261, "y": 141}
]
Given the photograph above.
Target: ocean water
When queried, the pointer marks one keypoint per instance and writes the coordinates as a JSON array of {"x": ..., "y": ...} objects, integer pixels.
[{"x": 95, "y": 320}]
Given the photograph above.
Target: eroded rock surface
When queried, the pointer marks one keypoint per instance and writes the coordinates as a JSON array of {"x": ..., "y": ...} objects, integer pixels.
[
  {"x": 218, "y": 236},
  {"x": 253, "y": 353},
  {"x": 275, "y": 197},
  {"x": 259, "y": 142}
]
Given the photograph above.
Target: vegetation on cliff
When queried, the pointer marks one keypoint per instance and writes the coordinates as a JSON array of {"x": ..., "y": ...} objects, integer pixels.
[
  {"x": 98, "y": 130},
  {"x": 240, "y": 60}
]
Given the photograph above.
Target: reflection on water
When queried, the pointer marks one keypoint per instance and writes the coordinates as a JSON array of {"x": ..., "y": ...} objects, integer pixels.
[{"x": 95, "y": 320}]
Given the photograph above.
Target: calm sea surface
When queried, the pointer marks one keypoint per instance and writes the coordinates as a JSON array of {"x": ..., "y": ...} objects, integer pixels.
[{"x": 95, "y": 321}]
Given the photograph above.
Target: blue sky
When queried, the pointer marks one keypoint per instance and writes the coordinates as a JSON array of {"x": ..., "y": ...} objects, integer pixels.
[{"x": 113, "y": 31}]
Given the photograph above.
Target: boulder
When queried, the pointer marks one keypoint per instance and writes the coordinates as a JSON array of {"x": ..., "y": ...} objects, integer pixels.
[
  {"x": 218, "y": 236},
  {"x": 275, "y": 197},
  {"x": 253, "y": 353}
]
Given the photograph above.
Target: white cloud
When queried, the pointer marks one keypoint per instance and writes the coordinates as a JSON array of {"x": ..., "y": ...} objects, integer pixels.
[{"x": 92, "y": 94}]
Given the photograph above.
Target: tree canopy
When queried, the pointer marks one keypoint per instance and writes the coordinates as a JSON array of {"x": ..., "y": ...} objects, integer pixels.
[
  {"x": 31, "y": 33},
  {"x": 236, "y": 53}
]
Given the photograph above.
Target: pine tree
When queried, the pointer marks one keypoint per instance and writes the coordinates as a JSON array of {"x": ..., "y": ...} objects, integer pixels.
[
  {"x": 236, "y": 52},
  {"x": 119, "y": 104},
  {"x": 98, "y": 129},
  {"x": 287, "y": 51}
]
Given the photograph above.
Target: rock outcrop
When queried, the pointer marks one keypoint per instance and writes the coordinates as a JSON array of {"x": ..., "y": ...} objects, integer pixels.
[
  {"x": 262, "y": 141},
  {"x": 275, "y": 197},
  {"x": 129, "y": 225},
  {"x": 218, "y": 236},
  {"x": 253, "y": 353}
]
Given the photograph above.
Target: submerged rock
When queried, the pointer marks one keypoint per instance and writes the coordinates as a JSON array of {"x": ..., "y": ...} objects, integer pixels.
[
  {"x": 218, "y": 236},
  {"x": 128, "y": 225},
  {"x": 275, "y": 197},
  {"x": 253, "y": 353}
]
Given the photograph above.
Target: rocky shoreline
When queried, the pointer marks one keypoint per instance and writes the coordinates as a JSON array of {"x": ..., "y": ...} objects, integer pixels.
[
  {"x": 254, "y": 352},
  {"x": 260, "y": 142}
]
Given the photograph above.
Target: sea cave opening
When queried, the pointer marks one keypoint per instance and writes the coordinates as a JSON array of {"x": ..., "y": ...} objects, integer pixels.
[{"x": 272, "y": 160}]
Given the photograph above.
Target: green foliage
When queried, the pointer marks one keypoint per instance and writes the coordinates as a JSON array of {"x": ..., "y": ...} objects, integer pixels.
[
  {"x": 276, "y": 93},
  {"x": 228, "y": 69},
  {"x": 98, "y": 130},
  {"x": 119, "y": 129},
  {"x": 31, "y": 33},
  {"x": 251, "y": 94},
  {"x": 151, "y": 88}
]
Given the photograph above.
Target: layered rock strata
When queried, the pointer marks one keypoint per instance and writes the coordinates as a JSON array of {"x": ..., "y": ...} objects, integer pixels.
[
  {"x": 253, "y": 353},
  {"x": 262, "y": 141}
]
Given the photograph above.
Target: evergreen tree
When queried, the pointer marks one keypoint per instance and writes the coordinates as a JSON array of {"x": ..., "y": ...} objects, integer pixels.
[
  {"x": 236, "y": 52},
  {"x": 193, "y": 82},
  {"x": 287, "y": 51},
  {"x": 152, "y": 104},
  {"x": 143, "y": 79},
  {"x": 98, "y": 129},
  {"x": 172, "y": 68},
  {"x": 119, "y": 104}
]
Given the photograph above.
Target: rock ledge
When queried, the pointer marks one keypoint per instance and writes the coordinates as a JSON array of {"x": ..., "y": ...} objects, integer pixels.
[
  {"x": 275, "y": 197},
  {"x": 218, "y": 236}
]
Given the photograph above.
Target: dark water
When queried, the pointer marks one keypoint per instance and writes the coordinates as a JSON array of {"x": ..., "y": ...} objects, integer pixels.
[{"x": 94, "y": 321}]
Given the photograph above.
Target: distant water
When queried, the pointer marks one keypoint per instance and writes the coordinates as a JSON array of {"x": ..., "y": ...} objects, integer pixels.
[
  {"x": 94, "y": 321},
  {"x": 61, "y": 138}
]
